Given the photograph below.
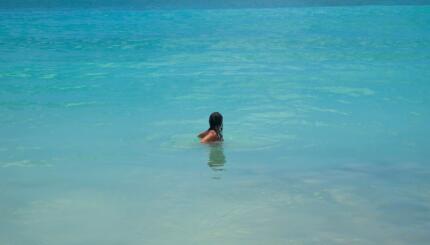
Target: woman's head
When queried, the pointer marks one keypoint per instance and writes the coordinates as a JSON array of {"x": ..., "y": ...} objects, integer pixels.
[{"x": 215, "y": 123}]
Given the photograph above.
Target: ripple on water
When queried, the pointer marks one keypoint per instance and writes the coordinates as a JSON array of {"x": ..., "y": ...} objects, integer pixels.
[
  {"x": 49, "y": 76},
  {"x": 73, "y": 87},
  {"x": 233, "y": 142},
  {"x": 81, "y": 104},
  {"x": 108, "y": 65},
  {"x": 182, "y": 142},
  {"x": 348, "y": 91},
  {"x": 271, "y": 117},
  {"x": 329, "y": 110},
  {"x": 95, "y": 75},
  {"x": 26, "y": 163},
  {"x": 16, "y": 74},
  {"x": 250, "y": 143}
]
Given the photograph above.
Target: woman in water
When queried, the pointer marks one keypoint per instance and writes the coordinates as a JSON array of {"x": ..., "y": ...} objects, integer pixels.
[{"x": 214, "y": 133}]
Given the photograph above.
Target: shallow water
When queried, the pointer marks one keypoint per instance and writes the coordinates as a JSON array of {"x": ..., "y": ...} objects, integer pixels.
[{"x": 326, "y": 130}]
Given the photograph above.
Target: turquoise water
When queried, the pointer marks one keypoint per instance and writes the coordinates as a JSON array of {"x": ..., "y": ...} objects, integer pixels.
[{"x": 326, "y": 114}]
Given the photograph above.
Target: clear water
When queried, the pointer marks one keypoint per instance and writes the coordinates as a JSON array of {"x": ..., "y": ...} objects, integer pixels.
[{"x": 326, "y": 126}]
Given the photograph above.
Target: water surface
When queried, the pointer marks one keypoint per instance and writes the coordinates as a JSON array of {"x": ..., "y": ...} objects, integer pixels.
[{"x": 326, "y": 130}]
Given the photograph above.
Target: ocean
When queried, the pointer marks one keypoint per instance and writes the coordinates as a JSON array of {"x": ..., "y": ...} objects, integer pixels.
[{"x": 326, "y": 125}]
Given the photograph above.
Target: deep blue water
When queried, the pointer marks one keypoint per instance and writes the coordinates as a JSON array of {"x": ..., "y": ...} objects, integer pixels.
[{"x": 326, "y": 130}]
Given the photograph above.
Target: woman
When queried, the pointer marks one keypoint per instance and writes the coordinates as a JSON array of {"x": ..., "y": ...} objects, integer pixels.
[{"x": 214, "y": 133}]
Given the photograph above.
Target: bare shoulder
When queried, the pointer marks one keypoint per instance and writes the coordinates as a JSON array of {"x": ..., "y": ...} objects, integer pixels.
[
  {"x": 210, "y": 137},
  {"x": 212, "y": 132},
  {"x": 203, "y": 134}
]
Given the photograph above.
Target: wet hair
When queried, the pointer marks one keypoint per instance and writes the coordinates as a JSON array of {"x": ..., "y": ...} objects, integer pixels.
[{"x": 215, "y": 123}]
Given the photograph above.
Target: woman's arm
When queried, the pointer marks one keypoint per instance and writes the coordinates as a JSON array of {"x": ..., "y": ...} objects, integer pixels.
[
  {"x": 210, "y": 136},
  {"x": 203, "y": 134}
]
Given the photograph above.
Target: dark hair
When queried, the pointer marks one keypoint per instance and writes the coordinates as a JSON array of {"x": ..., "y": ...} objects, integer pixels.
[{"x": 215, "y": 123}]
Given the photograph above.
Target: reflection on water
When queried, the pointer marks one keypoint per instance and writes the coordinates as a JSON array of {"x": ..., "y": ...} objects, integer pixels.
[{"x": 216, "y": 157}]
